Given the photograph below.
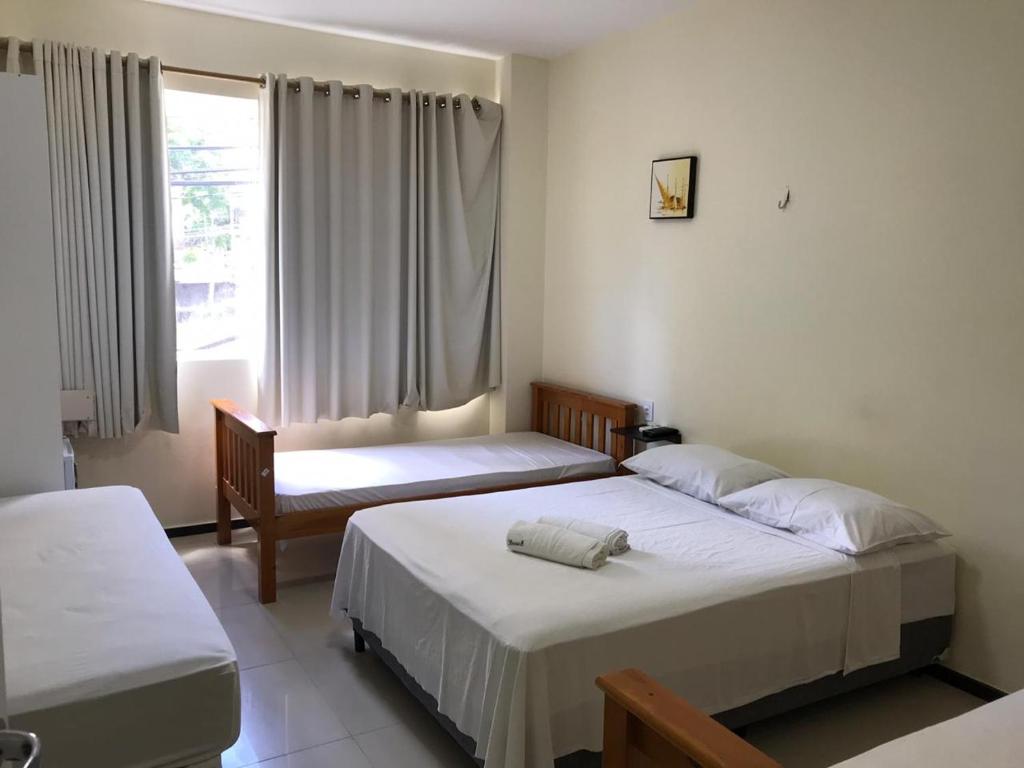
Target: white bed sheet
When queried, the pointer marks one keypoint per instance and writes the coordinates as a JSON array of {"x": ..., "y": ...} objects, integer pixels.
[
  {"x": 988, "y": 736},
  {"x": 720, "y": 609},
  {"x": 305, "y": 480},
  {"x": 114, "y": 656}
]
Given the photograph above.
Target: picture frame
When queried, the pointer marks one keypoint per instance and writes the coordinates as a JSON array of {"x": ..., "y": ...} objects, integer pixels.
[{"x": 673, "y": 184}]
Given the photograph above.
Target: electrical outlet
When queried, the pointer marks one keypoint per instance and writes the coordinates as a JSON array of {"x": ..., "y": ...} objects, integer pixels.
[{"x": 648, "y": 406}]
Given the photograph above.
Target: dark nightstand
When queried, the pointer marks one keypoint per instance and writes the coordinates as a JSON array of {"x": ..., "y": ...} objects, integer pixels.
[{"x": 634, "y": 433}]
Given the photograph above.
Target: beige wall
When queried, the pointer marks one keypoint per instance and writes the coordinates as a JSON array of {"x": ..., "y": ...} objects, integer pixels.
[
  {"x": 523, "y": 88},
  {"x": 871, "y": 333},
  {"x": 175, "y": 471}
]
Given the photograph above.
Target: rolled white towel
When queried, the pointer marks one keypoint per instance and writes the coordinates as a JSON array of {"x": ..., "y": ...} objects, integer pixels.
[
  {"x": 616, "y": 539},
  {"x": 560, "y": 545}
]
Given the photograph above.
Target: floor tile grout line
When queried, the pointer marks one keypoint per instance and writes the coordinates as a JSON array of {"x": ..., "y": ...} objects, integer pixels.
[
  {"x": 293, "y": 752},
  {"x": 307, "y": 749},
  {"x": 270, "y": 664},
  {"x": 270, "y": 624}
]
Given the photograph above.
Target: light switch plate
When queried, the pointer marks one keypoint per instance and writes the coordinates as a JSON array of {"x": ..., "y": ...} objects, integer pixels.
[{"x": 648, "y": 406}]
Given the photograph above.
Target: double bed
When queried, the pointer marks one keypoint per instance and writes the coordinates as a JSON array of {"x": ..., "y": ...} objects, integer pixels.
[
  {"x": 291, "y": 494},
  {"x": 113, "y": 656},
  {"x": 743, "y": 620}
]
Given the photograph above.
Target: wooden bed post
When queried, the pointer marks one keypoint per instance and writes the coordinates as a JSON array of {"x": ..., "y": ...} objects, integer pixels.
[
  {"x": 223, "y": 506},
  {"x": 538, "y": 404},
  {"x": 615, "y": 748},
  {"x": 245, "y": 482},
  {"x": 266, "y": 508}
]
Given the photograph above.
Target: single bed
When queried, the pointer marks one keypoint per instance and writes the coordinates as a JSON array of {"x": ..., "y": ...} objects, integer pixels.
[
  {"x": 305, "y": 493},
  {"x": 113, "y": 655},
  {"x": 744, "y": 620},
  {"x": 988, "y": 736},
  {"x": 643, "y": 718}
]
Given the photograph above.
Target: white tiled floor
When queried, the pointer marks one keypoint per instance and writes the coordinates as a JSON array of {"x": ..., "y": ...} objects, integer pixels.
[{"x": 309, "y": 701}]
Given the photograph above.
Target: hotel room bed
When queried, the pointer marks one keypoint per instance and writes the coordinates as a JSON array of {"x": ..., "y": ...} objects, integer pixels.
[
  {"x": 113, "y": 655},
  {"x": 303, "y": 493},
  {"x": 742, "y": 619},
  {"x": 309, "y": 480},
  {"x": 988, "y": 736}
]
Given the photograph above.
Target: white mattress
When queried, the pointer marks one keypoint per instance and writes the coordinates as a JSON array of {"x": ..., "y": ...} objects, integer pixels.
[
  {"x": 305, "y": 480},
  {"x": 114, "y": 657},
  {"x": 720, "y": 609},
  {"x": 988, "y": 736}
]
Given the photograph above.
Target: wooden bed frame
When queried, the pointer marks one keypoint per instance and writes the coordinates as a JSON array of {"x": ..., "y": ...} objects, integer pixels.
[
  {"x": 648, "y": 726},
  {"x": 245, "y": 468}
]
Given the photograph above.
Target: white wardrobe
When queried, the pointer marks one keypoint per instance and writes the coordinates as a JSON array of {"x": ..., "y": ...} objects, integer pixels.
[{"x": 30, "y": 439}]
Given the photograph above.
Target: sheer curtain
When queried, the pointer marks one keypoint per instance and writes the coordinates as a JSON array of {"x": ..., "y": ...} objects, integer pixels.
[
  {"x": 111, "y": 231},
  {"x": 382, "y": 263}
]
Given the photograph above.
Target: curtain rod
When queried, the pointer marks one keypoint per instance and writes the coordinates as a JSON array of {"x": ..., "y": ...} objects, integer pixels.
[{"x": 261, "y": 81}]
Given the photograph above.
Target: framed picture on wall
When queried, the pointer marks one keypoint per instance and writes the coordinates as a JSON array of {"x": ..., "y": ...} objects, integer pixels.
[{"x": 673, "y": 181}]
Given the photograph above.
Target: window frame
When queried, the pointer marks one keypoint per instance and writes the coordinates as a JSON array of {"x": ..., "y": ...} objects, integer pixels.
[{"x": 242, "y": 349}]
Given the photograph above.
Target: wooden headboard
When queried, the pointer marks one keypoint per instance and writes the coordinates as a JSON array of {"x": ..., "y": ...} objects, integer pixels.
[{"x": 583, "y": 418}]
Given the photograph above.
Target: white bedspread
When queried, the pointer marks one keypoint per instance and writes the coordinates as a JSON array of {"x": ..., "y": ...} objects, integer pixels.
[
  {"x": 988, "y": 736},
  {"x": 720, "y": 609},
  {"x": 306, "y": 480},
  {"x": 113, "y": 655}
]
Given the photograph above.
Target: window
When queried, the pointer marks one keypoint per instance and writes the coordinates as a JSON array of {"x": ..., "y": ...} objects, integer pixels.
[{"x": 213, "y": 161}]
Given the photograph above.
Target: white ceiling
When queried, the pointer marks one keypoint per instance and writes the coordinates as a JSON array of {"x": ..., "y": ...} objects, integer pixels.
[{"x": 490, "y": 28}]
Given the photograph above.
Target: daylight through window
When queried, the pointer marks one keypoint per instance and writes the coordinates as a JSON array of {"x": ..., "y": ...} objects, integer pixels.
[{"x": 213, "y": 159}]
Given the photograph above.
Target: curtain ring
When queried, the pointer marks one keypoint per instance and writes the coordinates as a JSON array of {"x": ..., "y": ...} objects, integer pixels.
[
  {"x": 457, "y": 102},
  {"x": 387, "y": 98},
  {"x": 355, "y": 95},
  {"x": 426, "y": 101},
  {"x": 476, "y": 104},
  {"x": 327, "y": 91}
]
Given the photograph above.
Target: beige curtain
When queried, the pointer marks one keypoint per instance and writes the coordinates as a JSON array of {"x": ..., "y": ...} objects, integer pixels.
[
  {"x": 111, "y": 231},
  {"x": 382, "y": 260}
]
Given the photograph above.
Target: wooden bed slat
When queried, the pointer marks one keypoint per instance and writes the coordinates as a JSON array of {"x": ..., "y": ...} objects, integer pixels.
[{"x": 244, "y": 454}]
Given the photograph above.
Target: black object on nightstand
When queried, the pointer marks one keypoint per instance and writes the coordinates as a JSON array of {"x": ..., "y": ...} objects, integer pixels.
[{"x": 642, "y": 434}]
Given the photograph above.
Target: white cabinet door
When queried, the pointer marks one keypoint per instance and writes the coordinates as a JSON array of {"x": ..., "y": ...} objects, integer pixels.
[{"x": 30, "y": 441}]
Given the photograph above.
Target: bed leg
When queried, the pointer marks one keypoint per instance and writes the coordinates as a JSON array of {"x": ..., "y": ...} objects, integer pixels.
[
  {"x": 267, "y": 565},
  {"x": 223, "y": 520},
  {"x": 359, "y": 642}
]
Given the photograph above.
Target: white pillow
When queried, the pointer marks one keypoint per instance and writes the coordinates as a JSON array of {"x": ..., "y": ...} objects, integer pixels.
[
  {"x": 837, "y": 516},
  {"x": 702, "y": 471}
]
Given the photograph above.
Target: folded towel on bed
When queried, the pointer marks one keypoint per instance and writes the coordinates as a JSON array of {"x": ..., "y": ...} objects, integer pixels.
[
  {"x": 560, "y": 545},
  {"x": 616, "y": 539}
]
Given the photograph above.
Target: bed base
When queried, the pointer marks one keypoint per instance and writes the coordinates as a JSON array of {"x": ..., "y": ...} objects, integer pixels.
[
  {"x": 921, "y": 643},
  {"x": 245, "y": 469}
]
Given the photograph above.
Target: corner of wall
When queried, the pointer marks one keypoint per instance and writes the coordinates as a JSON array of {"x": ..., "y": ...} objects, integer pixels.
[{"x": 522, "y": 83}]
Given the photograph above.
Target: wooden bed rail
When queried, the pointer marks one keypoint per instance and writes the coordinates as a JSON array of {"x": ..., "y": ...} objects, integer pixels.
[
  {"x": 648, "y": 726},
  {"x": 582, "y": 418},
  {"x": 244, "y": 448}
]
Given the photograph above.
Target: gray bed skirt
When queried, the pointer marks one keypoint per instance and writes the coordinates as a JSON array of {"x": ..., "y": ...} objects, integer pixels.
[{"x": 921, "y": 643}]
